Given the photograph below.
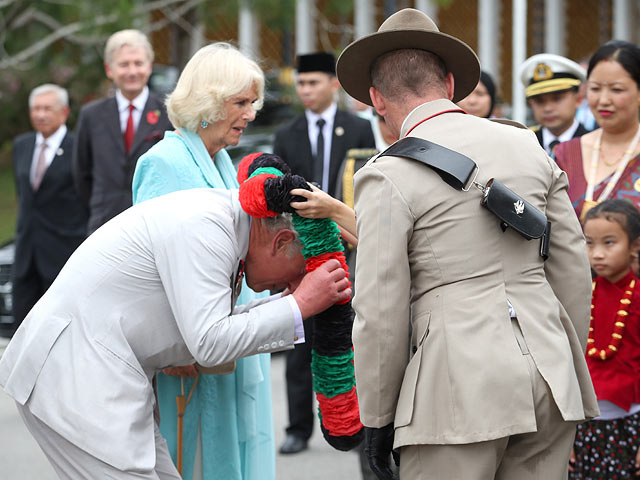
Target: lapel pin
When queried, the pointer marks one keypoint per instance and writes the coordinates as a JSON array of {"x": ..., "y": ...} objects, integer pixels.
[
  {"x": 59, "y": 152},
  {"x": 339, "y": 131}
]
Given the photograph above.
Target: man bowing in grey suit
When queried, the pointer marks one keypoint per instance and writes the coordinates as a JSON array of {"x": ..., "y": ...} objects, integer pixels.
[
  {"x": 154, "y": 288},
  {"x": 114, "y": 132},
  {"x": 469, "y": 346}
]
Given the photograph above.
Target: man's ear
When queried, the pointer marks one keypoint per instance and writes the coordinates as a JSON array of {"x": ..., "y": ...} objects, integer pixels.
[
  {"x": 378, "y": 101},
  {"x": 108, "y": 71},
  {"x": 281, "y": 241},
  {"x": 450, "y": 85},
  {"x": 335, "y": 83}
]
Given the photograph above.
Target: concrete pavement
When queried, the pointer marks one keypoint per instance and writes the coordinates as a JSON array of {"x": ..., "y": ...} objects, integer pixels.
[{"x": 22, "y": 459}]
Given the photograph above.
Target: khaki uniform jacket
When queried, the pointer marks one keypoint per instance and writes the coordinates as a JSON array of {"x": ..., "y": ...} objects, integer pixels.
[{"x": 435, "y": 351}]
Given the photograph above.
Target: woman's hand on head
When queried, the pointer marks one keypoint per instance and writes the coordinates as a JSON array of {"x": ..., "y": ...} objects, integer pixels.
[{"x": 318, "y": 205}]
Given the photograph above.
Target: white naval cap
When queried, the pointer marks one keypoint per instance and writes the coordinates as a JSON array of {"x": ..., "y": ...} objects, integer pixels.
[{"x": 547, "y": 72}]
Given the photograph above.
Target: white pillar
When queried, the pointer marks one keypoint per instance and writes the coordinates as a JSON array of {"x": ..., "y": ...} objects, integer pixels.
[
  {"x": 364, "y": 18},
  {"x": 430, "y": 7},
  {"x": 555, "y": 27},
  {"x": 622, "y": 20},
  {"x": 518, "y": 103},
  {"x": 488, "y": 40},
  {"x": 248, "y": 30},
  {"x": 305, "y": 26}
]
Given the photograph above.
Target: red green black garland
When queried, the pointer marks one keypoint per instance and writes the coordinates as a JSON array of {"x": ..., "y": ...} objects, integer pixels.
[{"x": 265, "y": 182}]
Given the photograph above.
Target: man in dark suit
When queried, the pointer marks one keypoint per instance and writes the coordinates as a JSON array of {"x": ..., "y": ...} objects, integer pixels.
[
  {"x": 113, "y": 132},
  {"x": 314, "y": 144},
  {"x": 552, "y": 87},
  {"x": 52, "y": 220},
  {"x": 297, "y": 141}
]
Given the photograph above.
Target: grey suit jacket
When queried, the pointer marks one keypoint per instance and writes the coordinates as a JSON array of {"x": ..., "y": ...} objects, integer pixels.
[
  {"x": 431, "y": 258},
  {"x": 102, "y": 170},
  {"x": 151, "y": 289}
]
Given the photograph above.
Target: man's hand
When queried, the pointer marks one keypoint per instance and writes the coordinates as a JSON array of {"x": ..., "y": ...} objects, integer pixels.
[
  {"x": 187, "y": 371},
  {"x": 378, "y": 446},
  {"x": 320, "y": 289}
]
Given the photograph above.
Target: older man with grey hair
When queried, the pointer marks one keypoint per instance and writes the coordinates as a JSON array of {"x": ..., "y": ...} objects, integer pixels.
[
  {"x": 153, "y": 288},
  {"x": 469, "y": 345},
  {"x": 112, "y": 133},
  {"x": 51, "y": 218}
]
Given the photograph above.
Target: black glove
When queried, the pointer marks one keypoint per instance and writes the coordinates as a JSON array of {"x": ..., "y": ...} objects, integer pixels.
[{"x": 378, "y": 446}]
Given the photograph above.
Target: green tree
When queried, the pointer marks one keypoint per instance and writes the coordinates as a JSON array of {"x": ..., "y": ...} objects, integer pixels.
[{"x": 62, "y": 41}]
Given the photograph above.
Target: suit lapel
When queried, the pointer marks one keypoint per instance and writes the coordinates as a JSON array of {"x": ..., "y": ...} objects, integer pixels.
[
  {"x": 111, "y": 119},
  {"x": 57, "y": 163},
  {"x": 23, "y": 166},
  {"x": 337, "y": 147},
  {"x": 304, "y": 146},
  {"x": 25, "y": 162},
  {"x": 144, "y": 127},
  {"x": 539, "y": 136}
]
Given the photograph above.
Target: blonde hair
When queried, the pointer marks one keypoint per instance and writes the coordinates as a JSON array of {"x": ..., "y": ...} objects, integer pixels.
[
  {"x": 132, "y": 38},
  {"x": 215, "y": 73}
]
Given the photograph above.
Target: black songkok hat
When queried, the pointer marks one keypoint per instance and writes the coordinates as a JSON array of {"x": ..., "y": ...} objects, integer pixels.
[{"x": 317, "y": 62}]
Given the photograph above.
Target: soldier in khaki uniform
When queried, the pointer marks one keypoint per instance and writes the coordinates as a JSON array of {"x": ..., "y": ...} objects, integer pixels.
[{"x": 469, "y": 347}]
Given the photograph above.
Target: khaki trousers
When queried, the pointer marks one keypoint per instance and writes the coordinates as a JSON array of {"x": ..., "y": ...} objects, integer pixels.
[
  {"x": 73, "y": 463},
  {"x": 541, "y": 455}
]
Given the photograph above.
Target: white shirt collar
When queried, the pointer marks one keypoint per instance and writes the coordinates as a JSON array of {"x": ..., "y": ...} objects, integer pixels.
[
  {"x": 54, "y": 140},
  {"x": 139, "y": 102},
  {"x": 548, "y": 137},
  {"x": 328, "y": 115}
]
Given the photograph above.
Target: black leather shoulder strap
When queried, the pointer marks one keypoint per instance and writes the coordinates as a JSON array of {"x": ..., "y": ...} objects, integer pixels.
[{"x": 455, "y": 169}]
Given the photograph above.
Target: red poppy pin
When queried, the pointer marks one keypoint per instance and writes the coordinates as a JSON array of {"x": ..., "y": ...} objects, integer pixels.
[{"x": 153, "y": 116}]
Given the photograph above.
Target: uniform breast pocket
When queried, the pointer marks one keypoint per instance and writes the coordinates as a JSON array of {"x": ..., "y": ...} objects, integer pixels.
[{"x": 404, "y": 410}]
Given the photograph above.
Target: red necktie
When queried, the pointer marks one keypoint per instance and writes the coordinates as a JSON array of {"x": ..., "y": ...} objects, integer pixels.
[{"x": 129, "y": 131}]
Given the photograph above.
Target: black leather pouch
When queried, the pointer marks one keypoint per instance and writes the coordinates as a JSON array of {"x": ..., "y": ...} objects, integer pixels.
[
  {"x": 513, "y": 211},
  {"x": 460, "y": 173}
]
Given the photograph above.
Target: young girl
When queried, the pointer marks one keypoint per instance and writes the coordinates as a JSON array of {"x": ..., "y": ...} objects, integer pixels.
[{"x": 607, "y": 447}]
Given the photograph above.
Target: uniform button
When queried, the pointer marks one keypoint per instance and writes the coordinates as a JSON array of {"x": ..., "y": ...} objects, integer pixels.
[
  {"x": 260, "y": 348},
  {"x": 295, "y": 339},
  {"x": 274, "y": 345},
  {"x": 281, "y": 343},
  {"x": 414, "y": 349}
]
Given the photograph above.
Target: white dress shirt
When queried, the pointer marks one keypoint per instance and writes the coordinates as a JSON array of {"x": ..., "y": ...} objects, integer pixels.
[
  {"x": 123, "y": 108},
  {"x": 53, "y": 149},
  {"x": 327, "y": 132},
  {"x": 548, "y": 137}
]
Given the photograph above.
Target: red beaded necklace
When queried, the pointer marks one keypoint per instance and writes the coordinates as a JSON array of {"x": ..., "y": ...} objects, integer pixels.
[{"x": 616, "y": 336}]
